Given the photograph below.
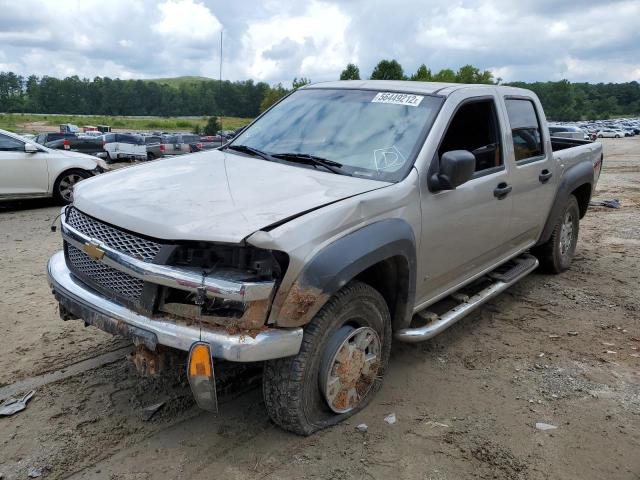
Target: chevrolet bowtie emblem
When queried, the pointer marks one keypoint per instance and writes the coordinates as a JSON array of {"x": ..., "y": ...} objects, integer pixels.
[{"x": 93, "y": 251}]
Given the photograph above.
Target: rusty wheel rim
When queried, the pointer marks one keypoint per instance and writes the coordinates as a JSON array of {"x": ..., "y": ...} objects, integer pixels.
[{"x": 350, "y": 367}]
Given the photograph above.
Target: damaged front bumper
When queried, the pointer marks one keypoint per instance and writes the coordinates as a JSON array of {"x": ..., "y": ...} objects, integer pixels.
[{"x": 95, "y": 309}]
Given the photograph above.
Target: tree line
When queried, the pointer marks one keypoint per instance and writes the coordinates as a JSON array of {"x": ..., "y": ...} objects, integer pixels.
[
  {"x": 562, "y": 100},
  {"x": 106, "y": 96}
]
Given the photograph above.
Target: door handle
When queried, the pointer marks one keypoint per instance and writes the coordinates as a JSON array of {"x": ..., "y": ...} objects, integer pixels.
[
  {"x": 502, "y": 190},
  {"x": 544, "y": 176}
]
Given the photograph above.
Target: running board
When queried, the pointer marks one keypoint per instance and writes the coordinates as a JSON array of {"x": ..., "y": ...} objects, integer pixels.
[{"x": 501, "y": 278}]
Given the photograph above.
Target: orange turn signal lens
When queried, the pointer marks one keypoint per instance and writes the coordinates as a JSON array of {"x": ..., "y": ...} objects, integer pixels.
[
  {"x": 200, "y": 361},
  {"x": 201, "y": 376}
]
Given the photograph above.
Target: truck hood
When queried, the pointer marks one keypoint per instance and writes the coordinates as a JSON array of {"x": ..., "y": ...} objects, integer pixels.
[{"x": 211, "y": 196}]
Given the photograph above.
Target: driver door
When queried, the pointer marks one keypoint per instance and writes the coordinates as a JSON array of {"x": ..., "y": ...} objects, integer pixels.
[
  {"x": 466, "y": 230},
  {"x": 21, "y": 173}
]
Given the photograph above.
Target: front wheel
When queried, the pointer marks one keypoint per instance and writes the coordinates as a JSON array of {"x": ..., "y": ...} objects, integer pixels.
[
  {"x": 556, "y": 255},
  {"x": 344, "y": 354},
  {"x": 63, "y": 186}
]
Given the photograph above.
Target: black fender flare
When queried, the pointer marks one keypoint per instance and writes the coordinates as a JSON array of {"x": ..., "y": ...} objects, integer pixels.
[
  {"x": 343, "y": 260},
  {"x": 576, "y": 176}
]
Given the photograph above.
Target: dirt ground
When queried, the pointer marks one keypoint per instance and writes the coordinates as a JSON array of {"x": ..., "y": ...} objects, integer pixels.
[{"x": 563, "y": 350}]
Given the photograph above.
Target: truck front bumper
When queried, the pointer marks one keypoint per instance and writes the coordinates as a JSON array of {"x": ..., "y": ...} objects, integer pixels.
[{"x": 95, "y": 309}]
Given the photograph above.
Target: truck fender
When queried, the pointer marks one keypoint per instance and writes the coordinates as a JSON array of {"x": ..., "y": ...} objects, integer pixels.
[
  {"x": 343, "y": 260},
  {"x": 573, "y": 178}
]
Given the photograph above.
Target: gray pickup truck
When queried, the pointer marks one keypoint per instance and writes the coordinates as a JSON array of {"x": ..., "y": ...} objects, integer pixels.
[{"x": 347, "y": 215}]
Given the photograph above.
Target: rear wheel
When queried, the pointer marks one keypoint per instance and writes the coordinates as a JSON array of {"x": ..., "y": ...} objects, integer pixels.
[
  {"x": 63, "y": 186},
  {"x": 556, "y": 255},
  {"x": 344, "y": 354},
  {"x": 151, "y": 156}
]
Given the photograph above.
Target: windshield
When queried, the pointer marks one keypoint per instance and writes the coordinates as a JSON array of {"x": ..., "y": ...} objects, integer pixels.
[{"x": 371, "y": 134}]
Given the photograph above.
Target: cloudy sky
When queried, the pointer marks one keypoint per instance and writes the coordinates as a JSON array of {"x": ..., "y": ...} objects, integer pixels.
[{"x": 274, "y": 41}]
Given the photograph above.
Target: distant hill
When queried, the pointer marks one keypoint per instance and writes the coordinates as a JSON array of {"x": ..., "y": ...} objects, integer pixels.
[{"x": 177, "y": 81}]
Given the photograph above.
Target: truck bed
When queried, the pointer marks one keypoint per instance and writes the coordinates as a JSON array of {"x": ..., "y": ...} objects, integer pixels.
[{"x": 570, "y": 151}]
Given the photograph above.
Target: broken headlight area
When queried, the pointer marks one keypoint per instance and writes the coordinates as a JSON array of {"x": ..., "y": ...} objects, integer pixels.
[{"x": 233, "y": 263}]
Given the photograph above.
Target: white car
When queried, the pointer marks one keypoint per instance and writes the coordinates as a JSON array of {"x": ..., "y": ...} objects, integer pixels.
[
  {"x": 610, "y": 133},
  {"x": 123, "y": 145},
  {"x": 29, "y": 170}
]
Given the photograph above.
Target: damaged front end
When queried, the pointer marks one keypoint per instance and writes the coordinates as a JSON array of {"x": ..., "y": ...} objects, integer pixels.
[
  {"x": 243, "y": 311},
  {"x": 163, "y": 295}
]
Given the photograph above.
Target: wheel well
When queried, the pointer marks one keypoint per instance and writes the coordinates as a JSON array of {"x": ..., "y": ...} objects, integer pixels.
[
  {"x": 583, "y": 195},
  {"x": 390, "y": 277}
]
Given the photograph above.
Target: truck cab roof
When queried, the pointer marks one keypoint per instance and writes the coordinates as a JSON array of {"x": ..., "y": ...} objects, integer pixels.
[{"x": 426, "y": 88}]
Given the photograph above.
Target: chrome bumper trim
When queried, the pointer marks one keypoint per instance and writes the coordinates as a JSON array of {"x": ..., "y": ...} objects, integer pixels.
[
  {"x": 270, "y": 344},
  {"x": 180, "y": 278}
]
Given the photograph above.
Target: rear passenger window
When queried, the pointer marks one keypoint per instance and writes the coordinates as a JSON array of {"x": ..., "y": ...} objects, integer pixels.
[
  {"x": 525, "y": 129},
  {"x": 475, "y": 128},
  {"x": 8, "y": 144}
]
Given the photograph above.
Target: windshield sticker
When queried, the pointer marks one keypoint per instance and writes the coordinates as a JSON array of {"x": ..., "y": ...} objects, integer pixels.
[
  {"x": 398, "y": 98},
  {"x": 388, "y": 159}
]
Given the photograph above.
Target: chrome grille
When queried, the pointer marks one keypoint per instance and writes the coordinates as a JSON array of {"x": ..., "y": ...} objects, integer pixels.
[
  {"x": 124, "y": 242},
  {"x": 120, "y": 283}
]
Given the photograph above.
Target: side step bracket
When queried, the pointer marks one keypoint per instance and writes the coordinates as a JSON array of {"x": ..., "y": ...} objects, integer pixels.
[{"x": 502, "y": 278}]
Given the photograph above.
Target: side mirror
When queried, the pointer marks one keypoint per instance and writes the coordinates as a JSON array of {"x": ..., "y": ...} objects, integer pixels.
[
  {"x": 30, "y": 148},
  {"x": 456, "y": 167}
]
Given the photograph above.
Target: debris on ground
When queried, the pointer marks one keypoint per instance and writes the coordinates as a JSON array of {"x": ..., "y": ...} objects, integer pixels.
[
  {"x": 545, "y": 426},
  {"x": 572, "y": 334},
  {"x": 362, "y": 427},
  {"x": 151, "y": 410},
  {"x": 390, "y": 419},
  {"x": 614, "y": 203},
  {"x": 436, "y": 424},
  {"x": 554, "y": 336},
  {"x": 14, "y": 405},
  {"x": 35, "y": 472}
]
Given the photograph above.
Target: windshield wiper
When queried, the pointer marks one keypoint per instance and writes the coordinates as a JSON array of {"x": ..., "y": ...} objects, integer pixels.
[
  {"x": 252, "y": 151},
  {"x": 312, "y": 160}
]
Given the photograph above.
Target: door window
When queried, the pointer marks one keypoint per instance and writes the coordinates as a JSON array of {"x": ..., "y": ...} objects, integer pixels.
[
  {"x": 10, "y": 144},
  {"x": 475, "y": 128},
  {"x": 525, "y": 129}
]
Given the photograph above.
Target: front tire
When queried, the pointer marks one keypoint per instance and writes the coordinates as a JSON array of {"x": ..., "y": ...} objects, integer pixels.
[
  {"x": 63, "y": 186},
  {"x": 556, "y": 255},
  {"x": 344, "y": 354}
]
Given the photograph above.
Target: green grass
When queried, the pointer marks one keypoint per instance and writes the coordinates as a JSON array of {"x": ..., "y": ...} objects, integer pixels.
[
  {"x": 20, "y": 123},
  {"x": 177, "y": 81}
]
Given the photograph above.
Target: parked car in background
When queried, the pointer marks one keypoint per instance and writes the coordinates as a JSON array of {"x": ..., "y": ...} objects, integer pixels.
[
  {"x": 609, "y": 133},
  {"x": 179, "y": 143},
  {"x": 567, "y": 131},
  {"x": 44, "y": 138},
  {"x": 29, "y": 170},
  {"x": 209, "y": 142},
  {"x": 155, "y": 148},
  {"x": 69, "y": 128},
  {"x": 89, "y": 145},
  {"x": 119, "y": 146}
]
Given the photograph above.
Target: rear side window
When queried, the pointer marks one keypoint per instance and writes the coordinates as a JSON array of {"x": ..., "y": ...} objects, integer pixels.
[
  {"x": 525, "y": 129},
  {"x": 9, "y": 144}
]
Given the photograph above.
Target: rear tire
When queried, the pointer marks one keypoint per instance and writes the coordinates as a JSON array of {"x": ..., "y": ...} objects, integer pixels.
[
  {"x": 556, "y": 255},
  {"x": 331, "y": 378},
  {"x": 150, "y": 156},
  {"x": 63, "y": 186}
]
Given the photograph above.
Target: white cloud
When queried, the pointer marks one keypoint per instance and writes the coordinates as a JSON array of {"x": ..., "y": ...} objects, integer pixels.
[
  {"x": 314, "y": 43},
  {"x": 186, "y": 21}
]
